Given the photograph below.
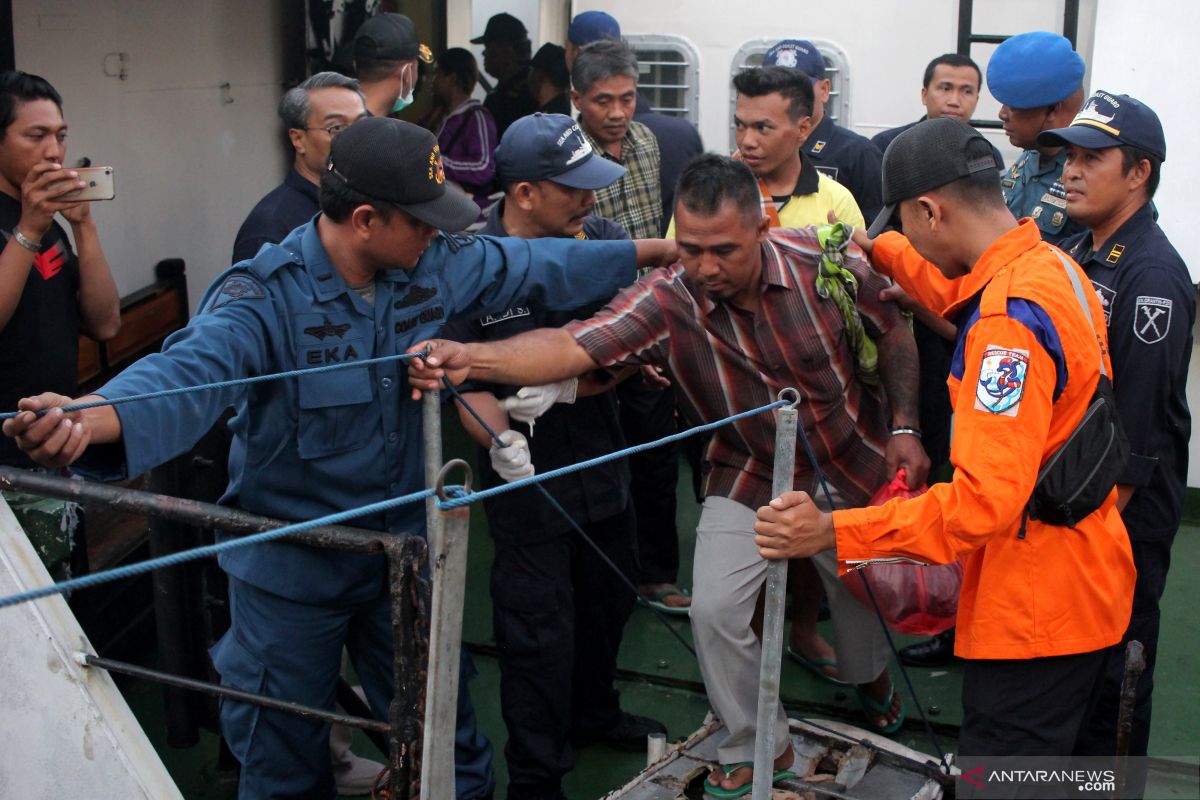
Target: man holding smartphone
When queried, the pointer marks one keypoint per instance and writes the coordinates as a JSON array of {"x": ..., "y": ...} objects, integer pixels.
[{"x": 48, "y": 294}]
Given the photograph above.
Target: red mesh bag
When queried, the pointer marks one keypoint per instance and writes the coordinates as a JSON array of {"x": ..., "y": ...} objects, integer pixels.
[{"x": 914, "y": 599}]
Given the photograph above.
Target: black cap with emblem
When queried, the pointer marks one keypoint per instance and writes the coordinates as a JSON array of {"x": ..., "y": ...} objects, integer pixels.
[
  {"x": 400, "y": 163},
  {"x": 389, "y": 37}
]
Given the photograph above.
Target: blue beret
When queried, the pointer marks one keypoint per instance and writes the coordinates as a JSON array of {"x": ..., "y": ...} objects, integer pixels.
[{"x": 1034, "y": 69}]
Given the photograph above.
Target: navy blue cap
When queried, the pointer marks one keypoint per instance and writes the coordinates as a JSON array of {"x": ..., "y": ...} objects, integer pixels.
[
  {"x": 797, "y": 54},
  {"x": 592, "y": 26},
  {"x": 551, "y": 147},
  {"x": 1034, "y": 69},
  {"x": 1111, "y": 120}
]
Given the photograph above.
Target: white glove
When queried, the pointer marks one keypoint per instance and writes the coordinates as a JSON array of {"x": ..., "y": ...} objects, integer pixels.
[
  {"x": 512, "y": 462},
  {"x": 530, "y": 402}
]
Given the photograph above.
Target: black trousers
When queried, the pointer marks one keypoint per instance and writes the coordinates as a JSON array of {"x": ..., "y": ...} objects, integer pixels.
[
  {"x": 1028, "y": 707},
  {"x": 558, "y": 616},
  {"x": 648, "y": 413},
  {"x": 1099, "y": 737}
]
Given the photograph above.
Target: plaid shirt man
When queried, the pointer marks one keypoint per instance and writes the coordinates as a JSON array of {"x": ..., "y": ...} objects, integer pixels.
[
  {"x": 723, "y": 361},
  {"x": 635, "y": 201}
]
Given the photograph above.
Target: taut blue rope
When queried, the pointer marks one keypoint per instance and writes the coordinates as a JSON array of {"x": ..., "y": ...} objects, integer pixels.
[
  {"x": 470, "y": 497},
  {"x": 97, "y": 578},
  {"x": 274, "y": 376},
  {"x": 566, "y": 515},
  {"x": 107, "y": 576}
]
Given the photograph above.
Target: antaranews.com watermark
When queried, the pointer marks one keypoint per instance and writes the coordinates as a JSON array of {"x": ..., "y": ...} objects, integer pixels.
[{"x": 1080, "y": 777}]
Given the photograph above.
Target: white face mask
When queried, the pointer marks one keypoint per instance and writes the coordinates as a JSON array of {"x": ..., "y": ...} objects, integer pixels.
[{"x": 405, "y": 100}]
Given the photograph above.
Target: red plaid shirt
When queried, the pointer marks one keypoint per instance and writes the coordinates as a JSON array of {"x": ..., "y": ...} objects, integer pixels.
[{"x": 723, "y": 360}]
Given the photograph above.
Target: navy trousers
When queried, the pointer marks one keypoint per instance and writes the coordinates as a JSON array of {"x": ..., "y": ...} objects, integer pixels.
[
  {"x": 290, "y": 650},
  {"x": 558, "y": 614}
]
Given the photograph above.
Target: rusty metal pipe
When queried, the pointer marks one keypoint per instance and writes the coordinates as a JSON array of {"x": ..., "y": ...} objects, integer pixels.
[
  {"x": 299, "y": 710},
  {"x": 191, "y": 512}
]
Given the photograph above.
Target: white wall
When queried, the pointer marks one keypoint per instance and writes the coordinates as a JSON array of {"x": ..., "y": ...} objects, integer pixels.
[
  {"x": 888, "y": 43},
  {"x": 189, "y": 165},
  {"x": 1144, "y": 49}
]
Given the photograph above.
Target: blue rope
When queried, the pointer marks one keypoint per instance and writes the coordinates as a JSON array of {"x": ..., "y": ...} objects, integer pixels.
[
  {"x": 574, "y": 525},
  {"x": 227, "y": 384},
  {"x": 128, "y": 570},
  {"x": 471, "y": 497}
]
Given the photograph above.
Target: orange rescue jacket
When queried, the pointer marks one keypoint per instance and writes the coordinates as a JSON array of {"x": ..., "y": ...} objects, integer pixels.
[{"x": 1057, "y": 590}]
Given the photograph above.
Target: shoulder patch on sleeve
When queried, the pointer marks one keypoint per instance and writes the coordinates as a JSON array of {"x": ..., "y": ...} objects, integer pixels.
[
  {"x": 1001, "y": 380},
  {"x": 1152, "y": 318},
  {"x": 237, "y": 287},
  {"x": 457, "y": 241}
]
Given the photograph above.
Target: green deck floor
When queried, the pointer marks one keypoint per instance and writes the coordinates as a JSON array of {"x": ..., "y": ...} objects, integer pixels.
[{"x": 661, "y": 679}]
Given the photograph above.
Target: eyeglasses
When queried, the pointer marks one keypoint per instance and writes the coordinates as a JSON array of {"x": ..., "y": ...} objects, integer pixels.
[{"x": 332, "y": 130}]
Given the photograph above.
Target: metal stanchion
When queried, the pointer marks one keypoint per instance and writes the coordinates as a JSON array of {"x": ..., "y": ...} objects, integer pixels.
[{"x": 773, "y": 615}]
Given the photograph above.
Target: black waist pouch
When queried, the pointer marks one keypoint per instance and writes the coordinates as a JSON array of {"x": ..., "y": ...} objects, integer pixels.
[{"x": 1079, "y": 476}]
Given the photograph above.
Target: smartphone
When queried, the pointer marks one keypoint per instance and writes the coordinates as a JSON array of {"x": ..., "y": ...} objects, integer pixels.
[{"x": 99, "y": 184}]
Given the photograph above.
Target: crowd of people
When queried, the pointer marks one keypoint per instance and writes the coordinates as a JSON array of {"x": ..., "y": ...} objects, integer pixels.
[{"x": 522, "y": 245}]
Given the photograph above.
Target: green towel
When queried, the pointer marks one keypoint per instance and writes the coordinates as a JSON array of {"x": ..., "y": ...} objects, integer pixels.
[{"x": 835, "y": 282}]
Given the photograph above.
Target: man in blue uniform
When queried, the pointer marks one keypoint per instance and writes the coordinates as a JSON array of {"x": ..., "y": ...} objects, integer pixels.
[
  {"x": 558, "y": 612},
  {"x": 367, "y": 278},
  {"x": 313, "y": 113},
  {"x": 1114, "y": 151},
  {"x": 1038, "y": 78},
  {"x": 840, "y": 153}
]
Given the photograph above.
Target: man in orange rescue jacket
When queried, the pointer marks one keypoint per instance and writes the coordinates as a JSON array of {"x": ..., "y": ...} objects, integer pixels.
[{"x": 1041, "y": 607}]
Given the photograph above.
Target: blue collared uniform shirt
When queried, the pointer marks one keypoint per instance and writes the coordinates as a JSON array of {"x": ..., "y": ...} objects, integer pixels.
[
  {"x": 1033, "y": 188},
  {"x": 318, "y": 444},
  {"x": 1150, "y": 308}
]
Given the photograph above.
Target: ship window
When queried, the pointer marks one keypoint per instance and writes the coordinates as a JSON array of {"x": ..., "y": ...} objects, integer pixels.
[{"x": 668, "y": 74}]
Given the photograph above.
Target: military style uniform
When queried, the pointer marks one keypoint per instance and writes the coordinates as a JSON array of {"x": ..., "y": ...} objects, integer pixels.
[
  {"x": 1033, "y": 188},
  {"x": 851, "y": 160},
  {"x": 319, "y": 444},
  {"x": 1150, "y": 308}
]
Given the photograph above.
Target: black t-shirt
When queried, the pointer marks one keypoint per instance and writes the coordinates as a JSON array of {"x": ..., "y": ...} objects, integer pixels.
[{"x": 39, "y": 347}]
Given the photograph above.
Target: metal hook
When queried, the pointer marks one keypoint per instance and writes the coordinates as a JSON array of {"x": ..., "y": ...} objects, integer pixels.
[
  {"x": 440, "y": 486},
  {"x": 789, "y": 392}
]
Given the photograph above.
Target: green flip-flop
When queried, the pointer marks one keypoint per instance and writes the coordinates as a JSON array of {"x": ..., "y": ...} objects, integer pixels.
[
  {"x": 872, "y": 708},
  {"x": 717, "y": 793},
  {"x": 656, "y": 601},
  {"x": 815, "y": 666}
]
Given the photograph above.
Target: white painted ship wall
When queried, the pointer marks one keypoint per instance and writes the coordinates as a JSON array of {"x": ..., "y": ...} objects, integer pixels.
[
  {"x": 189, "y": 164},
  {"x": 66, "y": 730}
]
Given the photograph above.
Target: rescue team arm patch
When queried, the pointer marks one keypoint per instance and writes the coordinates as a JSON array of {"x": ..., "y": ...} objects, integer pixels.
[
  {"x": 1151, "y": 318},
  {"x": 238, "y": 287},
  {"x": 1001, "y": 382}
]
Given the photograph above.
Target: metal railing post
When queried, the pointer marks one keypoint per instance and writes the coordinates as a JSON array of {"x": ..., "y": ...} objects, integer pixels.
[
  {"x": 448, "y": 567},
  {"x": 405, "y": 557},
  {"x": 773, "y": 616}
]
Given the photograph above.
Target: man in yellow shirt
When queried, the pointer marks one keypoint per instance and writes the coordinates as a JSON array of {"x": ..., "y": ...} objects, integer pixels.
[{"x": 772, "y": 119}]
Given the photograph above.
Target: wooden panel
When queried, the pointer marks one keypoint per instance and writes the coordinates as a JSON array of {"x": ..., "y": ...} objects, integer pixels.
[
  {"x": 144, "y": 325},
  {"x": 89, "y": 359}
]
